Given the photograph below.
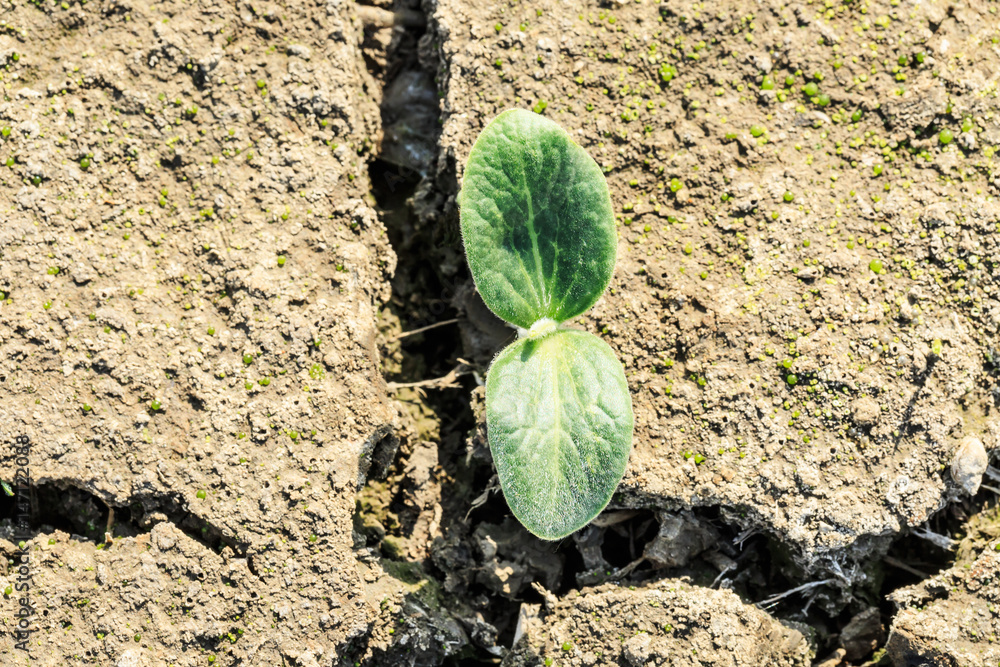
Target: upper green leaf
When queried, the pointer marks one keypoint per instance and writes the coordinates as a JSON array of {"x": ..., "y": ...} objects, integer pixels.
[
  {"x": 536, "y": 220},
  {"x": 559, "y": 420}
]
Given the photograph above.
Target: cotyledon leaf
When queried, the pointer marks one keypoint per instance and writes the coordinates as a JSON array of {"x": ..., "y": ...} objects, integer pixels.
[
  {"x": 536, "y": 220},
  {"x": 559, "y": 422}
]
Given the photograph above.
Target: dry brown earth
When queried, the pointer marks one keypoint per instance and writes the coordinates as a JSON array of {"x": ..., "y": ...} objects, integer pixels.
[{"x": 207, "y": 259}]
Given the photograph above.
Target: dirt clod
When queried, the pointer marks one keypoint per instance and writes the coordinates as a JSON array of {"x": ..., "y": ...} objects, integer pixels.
[
  {"x": 950, "y": 619},
  {"x": 667, "y": 623},
  {"x": 803, "y": 282},
  {"x": 190, "y": 273}
]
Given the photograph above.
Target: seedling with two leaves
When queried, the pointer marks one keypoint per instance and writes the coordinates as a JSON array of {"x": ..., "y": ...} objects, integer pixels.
[{"x": 540, "y": 239}]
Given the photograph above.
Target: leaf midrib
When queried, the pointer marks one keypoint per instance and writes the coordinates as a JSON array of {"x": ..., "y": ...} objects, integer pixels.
[
  {"x": 534, "y": 236},
  {"x": 560, "y": 369}
]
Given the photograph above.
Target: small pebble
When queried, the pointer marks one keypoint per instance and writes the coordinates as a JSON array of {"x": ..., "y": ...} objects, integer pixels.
[{"x": 969, "y": 465}]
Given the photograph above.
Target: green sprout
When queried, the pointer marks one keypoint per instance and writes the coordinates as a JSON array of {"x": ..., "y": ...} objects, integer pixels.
[{"x": 539, "y": 233}]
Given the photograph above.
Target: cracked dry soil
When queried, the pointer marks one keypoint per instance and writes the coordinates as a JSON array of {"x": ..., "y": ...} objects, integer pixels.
[{"x": 223, "y": 223}]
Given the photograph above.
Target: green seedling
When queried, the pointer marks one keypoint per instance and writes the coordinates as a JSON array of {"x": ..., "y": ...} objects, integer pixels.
[{"x": 539, "y": 234}]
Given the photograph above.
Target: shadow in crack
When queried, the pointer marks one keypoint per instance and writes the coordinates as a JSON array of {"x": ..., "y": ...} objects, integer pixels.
[{"x": 85, "y": 516}]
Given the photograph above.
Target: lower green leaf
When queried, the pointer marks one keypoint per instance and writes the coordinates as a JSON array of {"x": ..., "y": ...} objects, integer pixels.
[{"x": 559, "y": 420}]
